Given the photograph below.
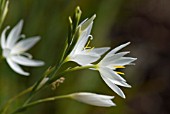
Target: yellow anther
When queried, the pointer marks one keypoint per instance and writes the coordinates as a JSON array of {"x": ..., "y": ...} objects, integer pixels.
[
  {"x": 87, "y": 46},
  {"x": 120, "y": 73},
  {"x": 119, "y": 67},
  {"x": 90, "y": 49},
  {"x": 88, "y": 43}
]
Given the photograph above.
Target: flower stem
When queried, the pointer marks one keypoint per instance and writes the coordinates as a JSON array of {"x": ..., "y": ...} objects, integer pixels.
[
  {"x": 6, "y": 106},
  {"x": 62, "y": 60},
  {"x": 40, "y": 101},
  {"x": 70, "y": 70},
  {"x": 3, "y": 10}
]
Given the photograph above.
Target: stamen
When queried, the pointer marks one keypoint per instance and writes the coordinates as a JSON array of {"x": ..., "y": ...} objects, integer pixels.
[
  {"x": 87, "y": 45},
  {"x": 119, "y": 67},
  {"x": 120, "y": 73},
  {"x": 90, "y": 49}
]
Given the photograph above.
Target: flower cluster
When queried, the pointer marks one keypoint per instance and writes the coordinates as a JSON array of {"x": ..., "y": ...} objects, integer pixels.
[
  {"x": 108, "y": 65},
  {"x": 105, "y": 60}
]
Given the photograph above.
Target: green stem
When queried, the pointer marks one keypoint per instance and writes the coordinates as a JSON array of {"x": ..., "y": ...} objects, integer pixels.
[
  {"x": 70, "y": 70},
  {"x": 27, "y": 104},
  {"x": 62, "y": 60},
  {"x": 55, "y": 72},
  {"x": 40, "y": 101},
  {"x": 3, "y": 11},
  {"x": 6, "y": 106}
]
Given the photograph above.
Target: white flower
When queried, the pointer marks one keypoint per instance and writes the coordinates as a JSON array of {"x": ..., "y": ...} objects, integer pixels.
[
  {"x": 81, "y": 53},
  {"x": 94, "y": 99},
  {"x": 109, "y": 64},
  {"x": 14, "y": 49}
]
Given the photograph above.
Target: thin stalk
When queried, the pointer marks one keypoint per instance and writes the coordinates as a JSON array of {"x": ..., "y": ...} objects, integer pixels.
[
  {"x": 40, "y": 101},
  {"x": 3, "y": 11},
  {"x": 70, "y": 70},
  {"x": 61, "y": 62},
  {"x": 6, "y": 106},
  {"x": 60, "y": 74}
]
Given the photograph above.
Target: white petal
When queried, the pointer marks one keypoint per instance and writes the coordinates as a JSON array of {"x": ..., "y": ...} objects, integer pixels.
[
  {"x": 108, "y": 60},
  {"x": 80, "y": 43},
  {"x": 112, "y": 52},
  {"x": 25, "y": 45},
  {"x": 26, "y": 61},
  {"x": 3, "y": 37},
  {"x": 112, "y": 85},
  {"x": 84, "y": 59},
  {"x": 14, "y": 35},
  {"x": 121, "y": 83},
  {"x": 94, "y": 99},
  {"x": 109, "y": 73},
  {"x": 123, "y": 61},
  {"x": 98, "y": 51},
  {"x": 84, "y": 37},
  {"x": 83, "y": 22},
  {"x": 16, "y": 67},
  {"x": 86, "y": 24}
]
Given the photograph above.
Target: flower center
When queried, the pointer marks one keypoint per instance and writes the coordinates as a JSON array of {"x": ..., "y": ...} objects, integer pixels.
[{"x": 6, "y": 52}]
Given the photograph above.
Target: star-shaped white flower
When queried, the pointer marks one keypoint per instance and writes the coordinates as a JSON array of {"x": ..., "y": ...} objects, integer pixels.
[
  {"x": 14, "y": 49},
  {"x": 81, "y": 53},
  {"x": 94, "y": 99},
  {"x": 110, "y": 63}
]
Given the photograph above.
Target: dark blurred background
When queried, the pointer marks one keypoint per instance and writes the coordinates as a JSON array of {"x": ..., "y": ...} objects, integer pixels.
[{"x": 145, "y": 23}]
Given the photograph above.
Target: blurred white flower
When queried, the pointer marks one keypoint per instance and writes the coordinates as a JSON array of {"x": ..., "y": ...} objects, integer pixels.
[
  {"x": 94, "y": 99},
  {"x": 109, "y": 64},
  {"x": 14, "y": 49},
  {"x": 81, "y": 53}
]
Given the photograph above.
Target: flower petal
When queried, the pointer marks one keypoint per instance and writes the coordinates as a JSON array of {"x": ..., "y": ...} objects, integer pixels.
[
  {"x": 108, "y": 60},
  {"x": 16, "y": 67},
  {"x": 3, "y": 38},
  {"x": 84, "y": 59},
  {"x": 26, "y": 61},
  {"x": 97, "y": 51},
  {"x": 14, "y": 35},
  {"x": 109, "y": 73},
  {"x": 123, "y": 61},
  {"x": 83, "y": 22},
  {"x": 112, "y": 52},
  {"x": 25, "y": 45},
  {"x": 112, "y": 85},
  {"x": 87, "y": 22},
  {"x": 84, "y": 38},
  {"x": 94, "y": 99},
  {"x": 121, "y": 83}
]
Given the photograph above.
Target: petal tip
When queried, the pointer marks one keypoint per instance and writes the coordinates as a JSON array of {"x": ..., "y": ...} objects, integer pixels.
[
  {"x": 94, "y": 16},
  {"x": 21, "y": 21},
  {"x": 42, "y": 63},
  {"x": 25, "y": 74}
]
